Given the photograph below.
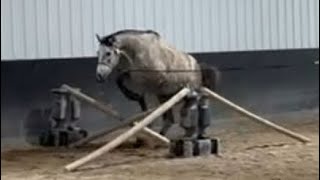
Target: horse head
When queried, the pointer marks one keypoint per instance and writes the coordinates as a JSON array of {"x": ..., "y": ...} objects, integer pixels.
[{"x": 108, "y": 58}]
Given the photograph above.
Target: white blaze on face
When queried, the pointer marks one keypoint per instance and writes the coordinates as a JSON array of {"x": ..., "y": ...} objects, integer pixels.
[{"x": 107, "y": 60}]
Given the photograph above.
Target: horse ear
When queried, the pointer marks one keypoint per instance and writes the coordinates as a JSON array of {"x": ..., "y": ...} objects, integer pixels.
[{"x": 98, "y": 38}]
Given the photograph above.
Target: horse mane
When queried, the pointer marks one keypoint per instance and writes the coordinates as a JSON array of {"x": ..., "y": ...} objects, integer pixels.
[{"x": 110, "y": 39}]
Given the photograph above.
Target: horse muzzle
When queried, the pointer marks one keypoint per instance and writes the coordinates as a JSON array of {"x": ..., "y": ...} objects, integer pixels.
[{"x": 102, "y": 73}]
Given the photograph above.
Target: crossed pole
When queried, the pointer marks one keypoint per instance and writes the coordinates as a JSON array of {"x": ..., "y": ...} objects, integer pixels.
[
  {"x": 107, "y": 109},
  {"x": 149, "y": 116}
]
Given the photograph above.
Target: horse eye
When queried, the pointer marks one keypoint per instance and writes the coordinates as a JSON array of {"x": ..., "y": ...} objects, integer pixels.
[{"x": 108, "y": 54}]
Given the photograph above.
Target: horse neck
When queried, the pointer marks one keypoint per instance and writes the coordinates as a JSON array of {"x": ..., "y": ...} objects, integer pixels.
[{"x": 131, "y": 46}]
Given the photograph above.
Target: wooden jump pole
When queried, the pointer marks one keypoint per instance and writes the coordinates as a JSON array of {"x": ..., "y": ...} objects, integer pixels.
[
  {"x": 126, "y": 135},
  {"x": 148, "y": 131},
  {"x": 108, "y": 110},
  {"x": 255, "y": 117},
  {"x": 104, "y": 108}
]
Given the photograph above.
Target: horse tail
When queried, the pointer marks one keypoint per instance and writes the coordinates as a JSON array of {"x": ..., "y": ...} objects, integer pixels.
[{"x": 210, "y": 76}]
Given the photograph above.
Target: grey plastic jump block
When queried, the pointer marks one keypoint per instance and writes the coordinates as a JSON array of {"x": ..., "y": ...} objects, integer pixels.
[{"x": 189, "y": 148}]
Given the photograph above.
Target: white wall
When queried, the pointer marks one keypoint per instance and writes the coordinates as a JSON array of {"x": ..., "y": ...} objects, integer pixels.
[{"x": 65, "y": 28}]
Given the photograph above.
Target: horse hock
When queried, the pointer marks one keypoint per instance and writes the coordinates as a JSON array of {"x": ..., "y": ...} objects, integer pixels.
[
  {"x": 195, "y": 119},
  {"x": 66, "y": 112}
]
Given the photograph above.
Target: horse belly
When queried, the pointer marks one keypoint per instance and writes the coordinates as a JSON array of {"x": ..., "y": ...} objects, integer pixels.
[
  {"x": 177, "y": 81},
  {"x": 163, "y": 83},
  {"x": 147, "y": 81}
]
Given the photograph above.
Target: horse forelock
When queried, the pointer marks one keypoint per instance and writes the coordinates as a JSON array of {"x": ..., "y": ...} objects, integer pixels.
[
  {"x": 107, "y": 40},
  {"x": 110, "y": 39}
]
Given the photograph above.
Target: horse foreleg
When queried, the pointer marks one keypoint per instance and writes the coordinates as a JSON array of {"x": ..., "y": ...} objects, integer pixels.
[
  {"x": 189, "y": 117},
  {"x": 167, "y": 118},
  {"x": 129, "y": 93},
  {"x": 168, "y": 121}
]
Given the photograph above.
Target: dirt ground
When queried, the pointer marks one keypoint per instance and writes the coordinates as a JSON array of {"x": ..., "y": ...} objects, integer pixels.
[{"x": 249, "y": 152}]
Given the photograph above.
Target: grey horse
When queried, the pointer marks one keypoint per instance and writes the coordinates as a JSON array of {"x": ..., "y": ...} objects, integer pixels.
[
  {"x": 210, "y": 79},
  {"x": 154, "y": 66}
]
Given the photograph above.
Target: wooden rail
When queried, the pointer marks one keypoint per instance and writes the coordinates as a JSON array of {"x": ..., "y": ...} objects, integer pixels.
[
  {"x": 107, "y": 109},
  {"x": 255, "y": 117}
]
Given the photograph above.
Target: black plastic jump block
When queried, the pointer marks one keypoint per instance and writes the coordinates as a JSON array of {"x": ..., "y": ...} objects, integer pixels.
[
  {"x": 61, "y": 137},
  {"x": 190, "y": 148}
]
